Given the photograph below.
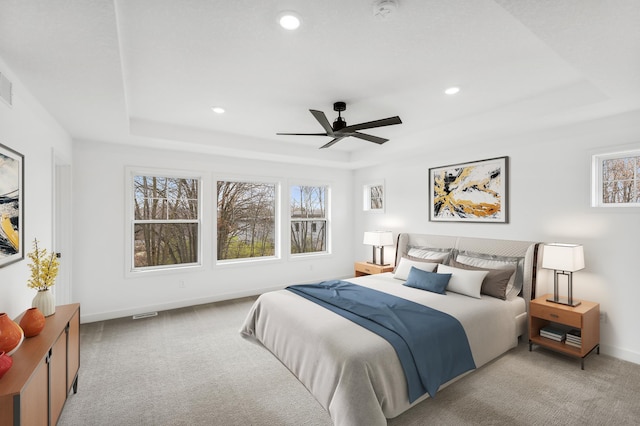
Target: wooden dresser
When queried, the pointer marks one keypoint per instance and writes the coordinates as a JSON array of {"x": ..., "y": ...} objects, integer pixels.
[{"x": 45, "y": 369}]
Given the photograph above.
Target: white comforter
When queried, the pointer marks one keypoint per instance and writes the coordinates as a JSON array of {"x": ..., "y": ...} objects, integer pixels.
[{"x": 354, "y": 373}]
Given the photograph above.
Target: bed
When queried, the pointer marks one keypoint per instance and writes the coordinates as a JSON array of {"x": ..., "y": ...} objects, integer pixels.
[{"x": 354, "y": 373}]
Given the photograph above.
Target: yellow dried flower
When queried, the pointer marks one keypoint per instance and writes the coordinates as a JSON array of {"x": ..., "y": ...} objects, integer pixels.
[{"x": 44, "y": 268}]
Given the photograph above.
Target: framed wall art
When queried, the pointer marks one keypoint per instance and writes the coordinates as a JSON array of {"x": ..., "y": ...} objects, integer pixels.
[
  {"x": 373, "y": 197},
  {"x": 11, "y": 206},
  {"x": 470, "y": 192}
]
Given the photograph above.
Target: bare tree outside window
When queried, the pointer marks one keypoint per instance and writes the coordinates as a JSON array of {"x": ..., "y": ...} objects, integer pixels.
[
  {"x": 308, "y": 211},
  {"x": 166, "y": 224},
  {"x": 246, "y": 219},
  {"x": 621, "y": 180},
  {"x": 376, "y": 197}
]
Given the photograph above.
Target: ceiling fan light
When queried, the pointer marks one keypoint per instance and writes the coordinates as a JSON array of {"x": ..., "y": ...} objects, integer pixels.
[{"x": 289, "y": 21}]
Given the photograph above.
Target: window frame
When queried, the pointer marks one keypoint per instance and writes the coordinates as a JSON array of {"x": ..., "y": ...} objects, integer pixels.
[
  {"x": 277, "y": 256},
  {"x": 328, "y": 192},
  {"x": 597, "y": 178},
  {"x": 131, "y": 173}
]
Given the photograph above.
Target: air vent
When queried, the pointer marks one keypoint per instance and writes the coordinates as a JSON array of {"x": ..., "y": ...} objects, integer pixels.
[
  {"x": 5, "y": 90},
  {"x": 145, "y": 315}
]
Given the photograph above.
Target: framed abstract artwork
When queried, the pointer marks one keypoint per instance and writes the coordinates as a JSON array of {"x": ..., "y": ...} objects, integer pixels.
[
  {"x": 470, "y": 192},
  {"x": 11, "y": 206},
  {"x": 373, "y": 197}
]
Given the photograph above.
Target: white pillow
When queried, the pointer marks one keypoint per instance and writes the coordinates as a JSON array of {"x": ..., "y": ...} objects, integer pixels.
[
  {"x": 404, "y": 267},
  {"x": 464, "y": 281}
]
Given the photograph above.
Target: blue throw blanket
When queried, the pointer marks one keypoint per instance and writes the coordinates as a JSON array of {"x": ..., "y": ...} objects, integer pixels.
[{"x": 432, "y": 346}]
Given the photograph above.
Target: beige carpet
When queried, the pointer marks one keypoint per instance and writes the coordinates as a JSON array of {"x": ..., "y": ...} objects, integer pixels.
[{"x": 191, "y": 367}]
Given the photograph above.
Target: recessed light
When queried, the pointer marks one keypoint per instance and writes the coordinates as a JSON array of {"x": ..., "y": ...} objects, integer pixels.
[
  {"x": 452, "y": 90},
  {"x": 289, "y": 20},
  {"x": 217, "y": 110}
]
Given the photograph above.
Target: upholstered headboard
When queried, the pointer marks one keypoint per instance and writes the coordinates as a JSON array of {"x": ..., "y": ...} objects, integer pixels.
[{"x": 527, "y": 250}]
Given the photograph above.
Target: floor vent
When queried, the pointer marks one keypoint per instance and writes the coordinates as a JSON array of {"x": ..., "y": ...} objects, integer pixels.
[
  {"x": 145, "y": 315},
  {"x": 6, "y": 90}
]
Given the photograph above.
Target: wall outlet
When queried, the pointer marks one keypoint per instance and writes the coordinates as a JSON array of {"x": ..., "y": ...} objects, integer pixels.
[
  {"x": 181, "y": 284},
  {"x": 603, "y": 317}
]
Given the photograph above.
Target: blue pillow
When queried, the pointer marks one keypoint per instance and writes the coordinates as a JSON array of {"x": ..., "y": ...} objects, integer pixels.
[{"x": 430, "y": 281}]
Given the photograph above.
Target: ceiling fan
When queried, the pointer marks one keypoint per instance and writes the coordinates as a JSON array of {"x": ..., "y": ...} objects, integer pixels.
[{"x": 340, "y": 130}]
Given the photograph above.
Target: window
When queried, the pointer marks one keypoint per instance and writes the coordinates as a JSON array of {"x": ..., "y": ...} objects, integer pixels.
[
  {"x": 616, "y": 180},
  {"x": 246, "y": 220},
  {"x": 374, "y": 197},
  {"x": 166, "y": 222},
  {"x": 308, "y": 206}
]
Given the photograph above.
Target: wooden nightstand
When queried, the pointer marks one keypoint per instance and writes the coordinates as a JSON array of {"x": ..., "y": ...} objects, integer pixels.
[
  {"x": 585, "y": 317},
  {"x": 364, "y": 268}
]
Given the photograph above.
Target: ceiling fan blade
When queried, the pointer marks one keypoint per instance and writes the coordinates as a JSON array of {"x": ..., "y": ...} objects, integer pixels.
[
  {"x": 303, "y": 134},
  {"x": 370, "y": 138},
  {"x": 322, "y": 119},
  {"x": 328, "y": 144},
  {"x": 371, "y": 124}
]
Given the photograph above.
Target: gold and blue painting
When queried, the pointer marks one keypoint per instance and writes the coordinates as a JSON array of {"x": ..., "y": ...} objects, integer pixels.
[
  {"x": 469, "y": 192},
  {"x": 11, "y": 205}
]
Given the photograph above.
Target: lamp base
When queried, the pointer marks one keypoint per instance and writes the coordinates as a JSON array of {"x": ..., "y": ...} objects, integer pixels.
[
  {"x": 564, "y": 301},
  {"x": 379, "y": 264}
]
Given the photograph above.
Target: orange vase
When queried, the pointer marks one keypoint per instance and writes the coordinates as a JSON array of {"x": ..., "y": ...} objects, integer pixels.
[
  {"x": 32, "y": 322},
  {"x": 5, "y": 363},
  {"x": 11, "y": 335}
]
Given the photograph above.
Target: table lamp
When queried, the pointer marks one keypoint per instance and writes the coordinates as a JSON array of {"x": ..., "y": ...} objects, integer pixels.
[
  {"x": 378, "y": 239},
  {"x": 564, "y": 259}
]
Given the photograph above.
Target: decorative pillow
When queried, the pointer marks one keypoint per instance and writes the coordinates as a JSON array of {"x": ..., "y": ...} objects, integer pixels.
[
  {"x": 463, "y": 281},
  {"x": 429, "y": 253},
  {"x": 483, "y": 260},
  {"x": 430, "y": 281},
  {"x": 404, "y": 267},
  {"x": 495, "y": 283},
  {"x": 422, "y": 259}
]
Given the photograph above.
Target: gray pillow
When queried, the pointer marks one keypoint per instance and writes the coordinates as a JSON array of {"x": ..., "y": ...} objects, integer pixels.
[{"x": 495, "y": 283}]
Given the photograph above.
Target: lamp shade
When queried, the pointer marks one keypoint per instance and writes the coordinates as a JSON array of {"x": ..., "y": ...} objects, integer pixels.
[
  {"x": 378, "y": 238},
  {"x": 563, "y": 257}
]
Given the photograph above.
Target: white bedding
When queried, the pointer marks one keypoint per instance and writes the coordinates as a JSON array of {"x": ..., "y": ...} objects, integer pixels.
[{"x": 355, "y": 374}]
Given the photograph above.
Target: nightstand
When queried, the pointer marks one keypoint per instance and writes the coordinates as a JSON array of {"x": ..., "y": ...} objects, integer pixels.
[
  {"x": 364, "y": 268},
  {"x": 584, "y": 317}
]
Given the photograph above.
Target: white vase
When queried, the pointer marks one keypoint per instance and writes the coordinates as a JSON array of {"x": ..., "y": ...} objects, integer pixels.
[{"x": 45, "y": 301}]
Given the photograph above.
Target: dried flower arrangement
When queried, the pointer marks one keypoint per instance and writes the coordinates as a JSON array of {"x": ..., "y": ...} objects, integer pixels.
[{"x": 44, "y": 268}]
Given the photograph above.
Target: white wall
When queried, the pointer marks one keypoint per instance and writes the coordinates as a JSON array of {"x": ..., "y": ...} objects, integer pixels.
[
  {"x": 27, "y": 128},
  {"x": 101, "y": 283},
  {"x": 550, "y": 187}
]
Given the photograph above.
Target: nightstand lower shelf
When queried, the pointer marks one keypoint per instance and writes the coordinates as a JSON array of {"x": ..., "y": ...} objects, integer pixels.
[{"x": 562, "y": 347}]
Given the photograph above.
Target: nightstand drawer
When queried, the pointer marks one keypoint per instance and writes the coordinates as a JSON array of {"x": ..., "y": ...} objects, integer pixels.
[
  {"x": 365, "y": 268},
  {"x": 369, "y": 270},
  {"x": 549, "y": 313}
]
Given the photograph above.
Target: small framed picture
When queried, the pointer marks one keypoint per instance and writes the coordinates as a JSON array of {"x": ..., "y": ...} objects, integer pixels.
[
  {"x": 11, "y": 206},
  {"x": 469, "y": 192},
  {"x": 373, "y": 196}
]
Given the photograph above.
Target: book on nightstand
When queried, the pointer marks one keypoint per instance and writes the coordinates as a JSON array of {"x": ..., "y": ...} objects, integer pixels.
[
  {"x": 554, "y": 333},
  {"x": 574, "y": 338}
]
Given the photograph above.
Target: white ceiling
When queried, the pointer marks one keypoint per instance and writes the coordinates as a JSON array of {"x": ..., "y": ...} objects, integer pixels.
[{"x": 147, "y": 72}]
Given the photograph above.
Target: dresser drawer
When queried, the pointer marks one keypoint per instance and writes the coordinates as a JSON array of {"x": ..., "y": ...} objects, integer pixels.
[{"x": 573, "y": 319}]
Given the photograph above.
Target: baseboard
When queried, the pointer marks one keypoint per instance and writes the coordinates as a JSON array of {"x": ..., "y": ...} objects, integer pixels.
[
  {"x": 623, "y": 354},
  {"x": 103, "y": 316}
]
